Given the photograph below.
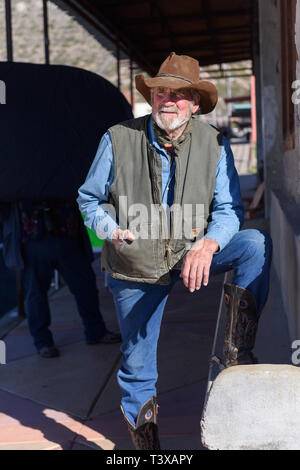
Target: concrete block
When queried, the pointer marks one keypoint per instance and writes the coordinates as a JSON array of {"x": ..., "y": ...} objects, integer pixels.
[{"x": 253, "y": 407}]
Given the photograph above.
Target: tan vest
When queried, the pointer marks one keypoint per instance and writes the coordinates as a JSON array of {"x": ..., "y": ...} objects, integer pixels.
[{"x": 137, "y": 175}]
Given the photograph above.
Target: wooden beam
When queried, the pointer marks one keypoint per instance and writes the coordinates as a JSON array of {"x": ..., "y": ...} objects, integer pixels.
[
  {"x": 207, "y": 45},
  {"x": 227, "y": 70},
  {"x": 196, "y": 16},
  {"x": 121, "y": 3},
  {"x": 9, "y": 39},
  {"x": 131, "y": 83},
  {"x": 46, "y": 35},
  {"x": 224, "y": 77},
  {"x": 240, "y": 32},
  {"x": 118, "y": 64},
  {"x": 208, "y": 59}
]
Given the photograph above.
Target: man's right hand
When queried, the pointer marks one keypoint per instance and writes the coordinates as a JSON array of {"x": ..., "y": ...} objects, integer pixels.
[{"x": 119, "y": 236}]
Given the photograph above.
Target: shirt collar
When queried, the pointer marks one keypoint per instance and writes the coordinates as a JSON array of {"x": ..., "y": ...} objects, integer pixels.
[{"x": 152, "y": 139}]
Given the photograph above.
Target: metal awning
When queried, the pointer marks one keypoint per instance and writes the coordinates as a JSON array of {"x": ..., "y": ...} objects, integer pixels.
[{"x": 212, "y": 31}]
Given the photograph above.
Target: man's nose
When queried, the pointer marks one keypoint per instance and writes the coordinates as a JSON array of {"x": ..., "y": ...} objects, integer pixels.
[{"x": 169, "y": 101}]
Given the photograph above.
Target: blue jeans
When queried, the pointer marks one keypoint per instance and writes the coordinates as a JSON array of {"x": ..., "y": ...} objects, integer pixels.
[
  {"x": 140, "y": 308},
  {"x": 41, "y": 257}
]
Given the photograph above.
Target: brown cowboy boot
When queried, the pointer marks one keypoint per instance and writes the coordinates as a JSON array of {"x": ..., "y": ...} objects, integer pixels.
[
  {"x": 241, "y": 326},
  {"x": 145, "y": 434}
]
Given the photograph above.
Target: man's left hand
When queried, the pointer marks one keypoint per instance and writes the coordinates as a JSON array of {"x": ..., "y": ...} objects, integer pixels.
[{"x": 196, "y": 264}]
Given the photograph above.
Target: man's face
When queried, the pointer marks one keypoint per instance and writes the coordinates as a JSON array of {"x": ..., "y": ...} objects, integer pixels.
[{"x": 172, "y": 108}]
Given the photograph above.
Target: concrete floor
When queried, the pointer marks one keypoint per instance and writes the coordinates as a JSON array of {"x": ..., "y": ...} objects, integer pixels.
[{"x": 72, "y": 401}]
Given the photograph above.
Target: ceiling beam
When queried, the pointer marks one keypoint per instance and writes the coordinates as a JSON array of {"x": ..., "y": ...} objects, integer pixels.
[
  {"x": 196, "y": 16},
  {"x": 243, "y": 32},
  {"x": 224, "y": 77},
  {"x": 207, "y": 45},
  {"x": 229, "y": 59},
  {"x": 246, "y": 54},
  {"x": 226, "y": 70},
  {"x": 122, "y": 3}
]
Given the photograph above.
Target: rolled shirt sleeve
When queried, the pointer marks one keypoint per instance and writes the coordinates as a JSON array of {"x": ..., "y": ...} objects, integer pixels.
[
  {"x": 227, "y": 215},
  {"x": 94, "y": 193}
]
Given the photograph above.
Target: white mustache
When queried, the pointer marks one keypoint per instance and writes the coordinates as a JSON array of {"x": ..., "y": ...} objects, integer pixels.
[{"x": 169, "y": 109}]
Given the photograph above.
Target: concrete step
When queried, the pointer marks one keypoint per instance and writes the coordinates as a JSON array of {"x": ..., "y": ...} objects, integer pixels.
[{"x": 254, "y": 407}]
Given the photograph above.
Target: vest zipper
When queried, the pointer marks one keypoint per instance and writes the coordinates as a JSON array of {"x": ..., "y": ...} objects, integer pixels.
[
  {"x": 169, "y": 250},
  {"x": 168, "y": 255}
]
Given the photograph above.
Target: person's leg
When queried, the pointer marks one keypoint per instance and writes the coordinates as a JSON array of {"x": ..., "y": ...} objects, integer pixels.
[
  {"x": 81, "y": 280},
  {"x": 139, "y": 308},
  {"x": 37, "y": 274},
  {"x": 249, "y": 254}
]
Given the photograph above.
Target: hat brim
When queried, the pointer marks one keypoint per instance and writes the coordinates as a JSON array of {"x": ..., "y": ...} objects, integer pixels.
[{"x": 207, "y": 90}]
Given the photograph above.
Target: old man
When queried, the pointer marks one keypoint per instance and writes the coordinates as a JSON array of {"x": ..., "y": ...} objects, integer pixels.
[{"x": 179, "y": 173}]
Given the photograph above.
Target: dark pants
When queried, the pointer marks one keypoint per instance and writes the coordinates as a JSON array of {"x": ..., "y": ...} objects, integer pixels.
[{"x": 64, "y": 254}]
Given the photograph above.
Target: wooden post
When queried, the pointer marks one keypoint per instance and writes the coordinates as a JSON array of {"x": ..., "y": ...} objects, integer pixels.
[
  {"x": 118, "y": 65},
  {"x": 253, "y": 111},
  {"x": 131, "y": 84},
  {"x": 9, "y": 40},
  {"x": 46, "y": 34}
]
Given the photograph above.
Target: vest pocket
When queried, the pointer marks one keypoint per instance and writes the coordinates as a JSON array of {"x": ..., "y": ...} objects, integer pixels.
[{"x": 138, "y": 258}]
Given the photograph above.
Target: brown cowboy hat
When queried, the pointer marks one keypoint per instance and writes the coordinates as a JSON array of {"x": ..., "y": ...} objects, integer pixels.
[{"x": 180, "y": 71}]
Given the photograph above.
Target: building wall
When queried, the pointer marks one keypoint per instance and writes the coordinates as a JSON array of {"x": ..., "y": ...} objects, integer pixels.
[
  {"x": 291, "y": 160},
  {"x": 270, "y": 83},
  {"x": 282, "y": 168}
]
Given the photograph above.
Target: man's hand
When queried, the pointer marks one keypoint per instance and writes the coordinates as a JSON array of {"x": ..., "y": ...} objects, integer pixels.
[
  {"x": 119, "y": 236},
  {"x": 196, "y": 263}
]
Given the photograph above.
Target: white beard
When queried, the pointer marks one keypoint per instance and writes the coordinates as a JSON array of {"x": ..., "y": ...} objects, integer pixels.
[{"x": 164, "y": 123}]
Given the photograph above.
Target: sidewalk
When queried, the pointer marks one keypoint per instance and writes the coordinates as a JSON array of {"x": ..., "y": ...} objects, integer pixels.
[{"x": 72, "y": 402}]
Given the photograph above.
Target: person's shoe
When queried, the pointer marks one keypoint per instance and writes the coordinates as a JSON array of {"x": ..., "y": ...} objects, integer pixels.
[
  {"x": 108, "y": 338},
  {"x": 48, "y": 351},
  {"x": 145, "y": 434},
  {"x": 241, "y": 326}
]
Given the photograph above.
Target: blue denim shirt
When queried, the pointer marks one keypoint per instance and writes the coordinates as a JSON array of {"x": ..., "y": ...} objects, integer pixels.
[{"x": 226, "y": 217}]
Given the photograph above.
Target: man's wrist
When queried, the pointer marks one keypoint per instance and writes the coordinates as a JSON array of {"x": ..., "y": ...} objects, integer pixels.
[
  {"x": 211, "y": 245},
  {"x": 207, "y": 244}
]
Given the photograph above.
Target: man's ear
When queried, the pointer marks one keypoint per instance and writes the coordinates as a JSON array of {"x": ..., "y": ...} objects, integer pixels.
[
  {"x": 195, "y": 108},
  {"x": 196, "y": 99}
]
